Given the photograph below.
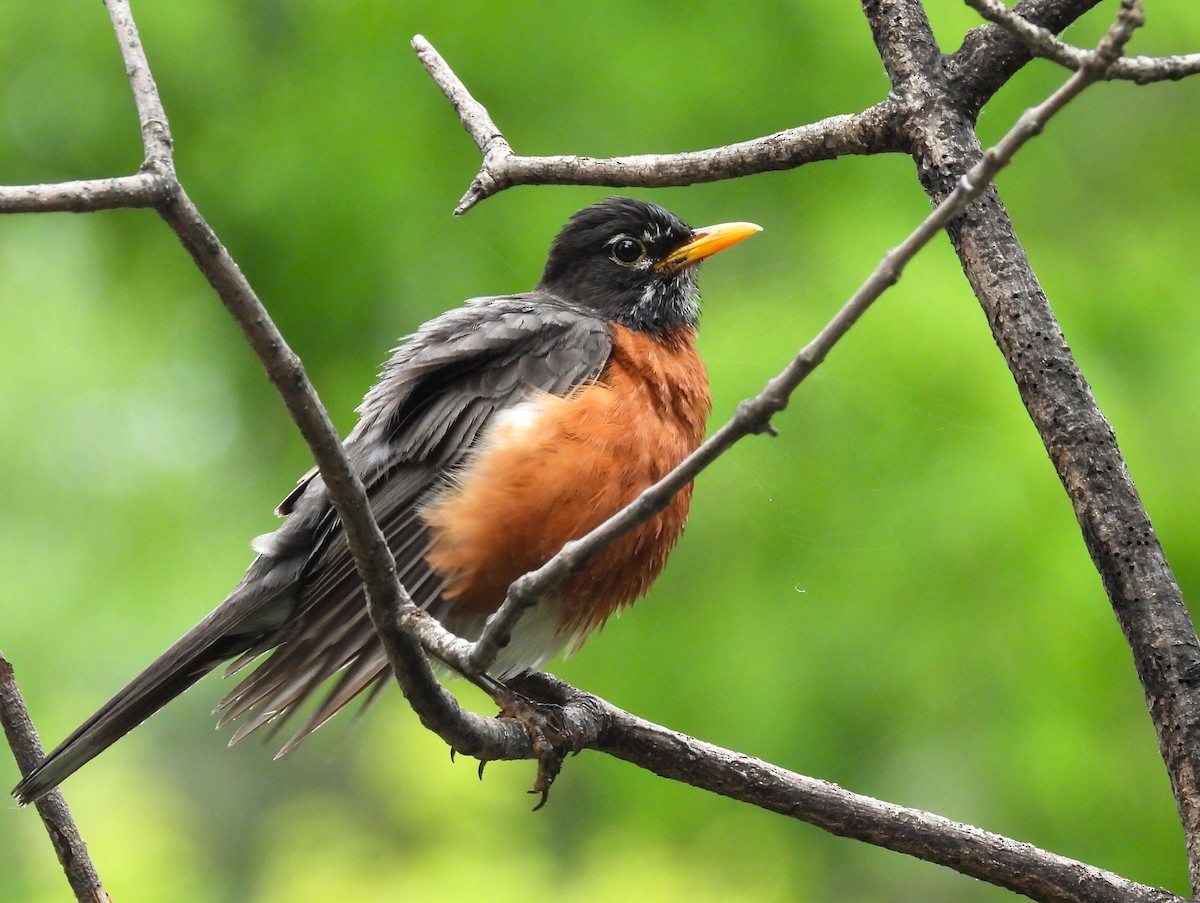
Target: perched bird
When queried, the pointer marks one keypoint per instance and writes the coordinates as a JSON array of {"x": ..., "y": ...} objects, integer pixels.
[{"x": 496, "y": 433}]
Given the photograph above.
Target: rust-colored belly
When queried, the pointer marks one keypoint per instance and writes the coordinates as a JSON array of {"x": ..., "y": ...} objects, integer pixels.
[{"x": 555, "y": 467}]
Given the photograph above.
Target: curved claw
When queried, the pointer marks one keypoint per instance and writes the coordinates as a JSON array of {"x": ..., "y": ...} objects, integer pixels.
[{"x": 553, "y": 736}]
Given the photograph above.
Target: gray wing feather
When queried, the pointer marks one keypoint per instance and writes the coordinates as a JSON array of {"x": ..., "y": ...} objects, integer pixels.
[
  {"x": 301, "y": 600},
  {"x": 433, "y": 401}
]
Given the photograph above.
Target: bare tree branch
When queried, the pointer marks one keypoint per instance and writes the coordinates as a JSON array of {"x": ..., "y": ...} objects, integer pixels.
[
  {"x": 388, "y": 603},
  {"x": 147, "y": 189},
  {"x": 868, "y": 132},
  {"x": 64, "y": 835},
  {"x": 152, "y": 118},
  {"x": 990, "y": 56},
  {"x": 908, "y": 50},
  {"x": 1044, "y": 43},
  {"x": 1078, "y": 438},
  {"x": 1016, "y": 866},
  {"x": 395, "y": 617},
  {"x": 400, "y": 624}
]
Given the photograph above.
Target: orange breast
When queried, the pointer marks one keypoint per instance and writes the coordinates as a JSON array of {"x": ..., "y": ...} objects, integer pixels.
[{"x": 555, "y": 468}]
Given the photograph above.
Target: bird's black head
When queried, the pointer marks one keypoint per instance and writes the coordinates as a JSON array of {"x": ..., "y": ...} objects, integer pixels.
[{"x": 634, "y": 263}]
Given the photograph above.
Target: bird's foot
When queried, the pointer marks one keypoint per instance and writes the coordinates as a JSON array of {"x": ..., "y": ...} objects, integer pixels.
[{"x": 553, "y": 735}]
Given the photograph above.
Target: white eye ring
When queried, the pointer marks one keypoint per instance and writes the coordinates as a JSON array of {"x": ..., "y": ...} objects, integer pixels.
[{"x": 627, "y": 251}]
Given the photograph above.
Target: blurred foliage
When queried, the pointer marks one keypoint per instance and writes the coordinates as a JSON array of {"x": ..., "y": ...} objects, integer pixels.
[{"x": 892, "y": 595}]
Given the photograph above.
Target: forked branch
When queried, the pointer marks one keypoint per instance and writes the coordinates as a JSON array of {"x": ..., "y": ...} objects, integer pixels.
[
  {"x": 995, "y": 859},
  {"x": 868, "y": 132},
  {"x": 1044, "y": 43}
]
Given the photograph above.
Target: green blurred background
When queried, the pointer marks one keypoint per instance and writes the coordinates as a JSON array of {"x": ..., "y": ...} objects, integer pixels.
[{"x": 892, "y": 595}]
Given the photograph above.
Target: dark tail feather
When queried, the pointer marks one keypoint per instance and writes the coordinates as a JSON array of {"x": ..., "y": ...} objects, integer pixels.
[
  {"x": 141, "y": 698},
  {"x": 214, "y": 640}
]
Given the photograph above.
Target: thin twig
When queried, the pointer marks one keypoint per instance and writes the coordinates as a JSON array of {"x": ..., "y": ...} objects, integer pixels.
[
  {"x": 754, "y": 415},
  {"x": 1043, "y": 43},
  {"x": 146, "y": 189},
  {"x": 990, "y": 56},
  {"x": 152, "y": 118},
  {"x": 27, "y": 749},
  {"x": 387, "y": 601},
  {"x": 472, "y": 114},
  {"x": 868, "y": 132}
]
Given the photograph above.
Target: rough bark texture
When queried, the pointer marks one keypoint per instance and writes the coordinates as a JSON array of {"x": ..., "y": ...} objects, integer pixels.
[
  {"x": 929, "y": 114},
  {"x": 1078, "y": 438}
]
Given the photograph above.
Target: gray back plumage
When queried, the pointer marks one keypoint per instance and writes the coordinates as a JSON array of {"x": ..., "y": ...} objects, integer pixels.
[
  {"x": 301, "y": 603},
  {"x": 432, "y": 403}
]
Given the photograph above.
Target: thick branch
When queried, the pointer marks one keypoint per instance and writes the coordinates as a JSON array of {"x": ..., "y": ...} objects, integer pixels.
[
  {"x": 1080, "y": 441},
  {"x": 868, "y": 132},
  {"x": 64, "y": 835},
  {"x": 1116, "y": 527}
]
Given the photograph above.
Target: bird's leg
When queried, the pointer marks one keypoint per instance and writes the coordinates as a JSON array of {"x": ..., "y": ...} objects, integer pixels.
[{"x": 553, "y": 735}]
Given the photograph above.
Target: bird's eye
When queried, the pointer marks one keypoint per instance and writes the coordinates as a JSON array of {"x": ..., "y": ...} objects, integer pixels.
[{"x": 627, "y": 250}]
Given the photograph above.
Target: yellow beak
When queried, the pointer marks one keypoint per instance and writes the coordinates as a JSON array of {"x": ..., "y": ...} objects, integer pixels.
[{"x": 705, "y": 243}]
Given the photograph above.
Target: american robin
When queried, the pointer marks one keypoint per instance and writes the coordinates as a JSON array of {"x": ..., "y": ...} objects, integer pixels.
[{"x": 496, "y": 433}]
